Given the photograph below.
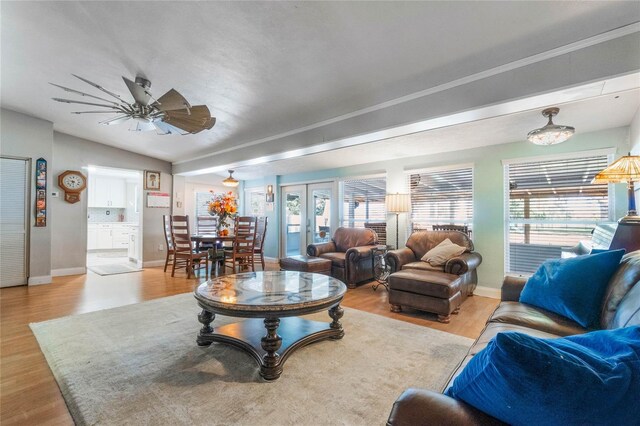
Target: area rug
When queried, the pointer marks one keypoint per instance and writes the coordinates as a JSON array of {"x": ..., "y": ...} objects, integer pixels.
[
  {"x": 139, "y": 364},
  {"x": 114, "y": 268}
]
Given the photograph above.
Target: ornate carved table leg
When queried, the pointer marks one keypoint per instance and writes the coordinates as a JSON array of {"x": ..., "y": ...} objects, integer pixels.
[
  {"x": 204, "y": 337},
  {"x": 271, "y": 368},
  {"x": 336, "y": 313}
]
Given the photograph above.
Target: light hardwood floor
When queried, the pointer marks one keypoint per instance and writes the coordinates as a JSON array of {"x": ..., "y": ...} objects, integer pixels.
[{"x": 29, "y": 394}]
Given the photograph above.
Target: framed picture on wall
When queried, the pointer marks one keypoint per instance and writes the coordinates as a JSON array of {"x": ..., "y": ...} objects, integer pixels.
[{"x": 151, "y": 180}]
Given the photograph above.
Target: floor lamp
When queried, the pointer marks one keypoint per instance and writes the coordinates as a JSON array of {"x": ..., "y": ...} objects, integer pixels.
[{"x": 397, "y": 203}]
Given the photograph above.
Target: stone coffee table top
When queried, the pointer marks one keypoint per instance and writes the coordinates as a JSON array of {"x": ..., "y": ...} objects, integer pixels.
[{"x": 285, "y": 293}]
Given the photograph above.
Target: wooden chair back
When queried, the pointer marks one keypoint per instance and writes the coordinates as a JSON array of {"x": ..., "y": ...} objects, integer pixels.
[
  {"x": 168, "y": 238},
  {"x": 245, "y": 234},
  {"x": 181, "y": 235},
  {"x": 380, "y": 228},
  {"x": 206, "y": 224},
  {"x": 261, "y": 232},
  {"x": 451, "y": 227}
]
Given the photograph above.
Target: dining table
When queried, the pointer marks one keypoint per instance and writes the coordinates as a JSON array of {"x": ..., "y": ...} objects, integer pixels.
[{"x": 214, "y": 239}]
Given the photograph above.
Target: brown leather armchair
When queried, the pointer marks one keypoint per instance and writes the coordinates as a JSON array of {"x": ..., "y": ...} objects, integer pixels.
[
  {"x": 350, "y": 253},
  {"x": 440, "y": 289}
]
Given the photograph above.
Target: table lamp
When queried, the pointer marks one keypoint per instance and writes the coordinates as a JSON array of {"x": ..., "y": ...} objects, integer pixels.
[
  {"x": 397, "y": 203},
  {"x": 624, "y": 170}
]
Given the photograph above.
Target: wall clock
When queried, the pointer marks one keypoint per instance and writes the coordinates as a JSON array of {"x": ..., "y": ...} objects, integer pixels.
[{"x": 72, "y": 182}]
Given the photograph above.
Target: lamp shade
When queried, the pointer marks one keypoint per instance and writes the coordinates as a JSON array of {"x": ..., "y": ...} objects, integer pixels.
[
  {"x": 626, "y": 169},
  {"x": 397, "y": 203},
  {"x": 230, "y": 181},
  {"x": 550, "y": 134}
]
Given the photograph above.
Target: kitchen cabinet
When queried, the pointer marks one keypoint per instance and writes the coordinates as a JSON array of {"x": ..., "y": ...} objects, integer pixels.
[
  {"x": 104, "y": 236},
  {"x": 107, "y": 191},
  {"x": 133, "y": 249}
]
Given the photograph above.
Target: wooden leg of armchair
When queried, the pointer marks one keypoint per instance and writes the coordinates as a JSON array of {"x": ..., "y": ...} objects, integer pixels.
[
  {"x": 395, "y": 308},
  {"x": 445, "y": 319}
]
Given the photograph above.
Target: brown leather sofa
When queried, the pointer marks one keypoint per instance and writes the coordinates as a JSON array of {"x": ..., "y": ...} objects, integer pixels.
[
  {"x": 620, "y": 308},
  {"x": 419, "y": 285},
  {"x": 350, "y": 253}
]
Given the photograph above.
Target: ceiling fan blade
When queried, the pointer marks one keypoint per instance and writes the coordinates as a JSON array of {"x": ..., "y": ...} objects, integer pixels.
[
  {"x": 167, "y": 129},
  {"x": 77, "y": 92},
  {"x": 97, "y": 86},
  {"x": 70, "y": 101},
  {"x": 198, "y": 112},
  {"x": 116, "y": 120},
  {"x": 138, "y": 92},
  {"x": 172, "y": 100}
]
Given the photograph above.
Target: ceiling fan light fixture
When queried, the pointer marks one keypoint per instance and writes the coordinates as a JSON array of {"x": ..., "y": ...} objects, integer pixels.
[
  {"x": 551, "y": 134},
  {"x": 230, "y": 181}
]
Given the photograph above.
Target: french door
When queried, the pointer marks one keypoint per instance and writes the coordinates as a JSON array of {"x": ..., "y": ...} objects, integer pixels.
[{"x": 309, "y": 215}]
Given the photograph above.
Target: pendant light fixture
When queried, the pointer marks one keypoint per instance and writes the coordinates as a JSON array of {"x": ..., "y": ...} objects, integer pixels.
[
  {"x": 230, "y": 181},
  {"x": 550, "y": 134}
]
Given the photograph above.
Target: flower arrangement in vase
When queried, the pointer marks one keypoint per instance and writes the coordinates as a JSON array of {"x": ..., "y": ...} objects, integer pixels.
[{"x": 224, "y": 206}]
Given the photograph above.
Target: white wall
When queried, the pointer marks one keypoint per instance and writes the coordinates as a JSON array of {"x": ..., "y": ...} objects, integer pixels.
[
  {"x": 29, "y": 137},
  {"x": 69, "y": 230},
  {"x": 634, "y": 133}
]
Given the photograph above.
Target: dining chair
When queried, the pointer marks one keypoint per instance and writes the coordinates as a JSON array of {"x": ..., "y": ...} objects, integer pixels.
[
  {"x": 184, "y": 254},
  {"x": 166, "y": 222},
  {"x": 243, "y": 248},
  {"x": 451, "y": 227},
  {"x": 206, "y": 224},
  {"x": 261, "y": 232}
]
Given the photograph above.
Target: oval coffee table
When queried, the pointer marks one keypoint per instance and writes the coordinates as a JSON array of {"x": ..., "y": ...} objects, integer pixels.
[{"x": 272, "y": 300}]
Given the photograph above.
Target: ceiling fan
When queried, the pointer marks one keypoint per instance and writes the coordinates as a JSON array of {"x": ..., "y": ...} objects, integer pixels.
[{"x": 169, "y": 114}]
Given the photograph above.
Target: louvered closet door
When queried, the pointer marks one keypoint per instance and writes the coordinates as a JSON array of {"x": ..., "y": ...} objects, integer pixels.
[{"x": 13, "y": 222}]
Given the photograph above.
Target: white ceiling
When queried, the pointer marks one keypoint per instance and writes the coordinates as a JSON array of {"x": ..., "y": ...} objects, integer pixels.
[{"x": 267, "y": 68}]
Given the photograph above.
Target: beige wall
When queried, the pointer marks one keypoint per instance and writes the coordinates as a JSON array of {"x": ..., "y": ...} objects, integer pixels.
[
  {"x": 29, "y": 137},
  {"x": 69, "y": 231}
]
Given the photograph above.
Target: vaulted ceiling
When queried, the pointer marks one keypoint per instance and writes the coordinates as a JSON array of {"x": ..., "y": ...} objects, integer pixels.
[{"x": 272, "y": 72}]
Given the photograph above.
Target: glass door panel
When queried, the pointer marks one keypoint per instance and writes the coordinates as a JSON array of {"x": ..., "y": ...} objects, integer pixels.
[
  {"x": 320, "y": 212},
  {"x": 294, "y": 220}
]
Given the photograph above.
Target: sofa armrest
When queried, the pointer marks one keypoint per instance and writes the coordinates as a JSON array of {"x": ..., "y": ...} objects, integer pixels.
[
  {"x": 397, "y": 258},
  {"x": 425, "y": 407},
  {"x": 357, "y": 253},
  {"x": 512, "y": 287},
  {"x": 462, "y": 264},
  {"x": 318, "y": 249}
]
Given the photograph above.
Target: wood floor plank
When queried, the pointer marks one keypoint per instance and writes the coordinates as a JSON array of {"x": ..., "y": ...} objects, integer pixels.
[{"x": 29, "y": 394}]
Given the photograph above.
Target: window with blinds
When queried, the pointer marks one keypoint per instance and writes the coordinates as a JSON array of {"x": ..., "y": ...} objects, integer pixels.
[
  {"x": 202, "y": 203},
  {"x": 552, "y": 206},
  {"x": 441, "y": 197},
  {"x": 363, "y": 201}
]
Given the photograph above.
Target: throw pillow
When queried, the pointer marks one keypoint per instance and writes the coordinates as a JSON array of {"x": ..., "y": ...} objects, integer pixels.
[
  {"x": 592, "y": 378},
  {"x": 572, "y": 287},
  {"x": 442, "y": 252}
]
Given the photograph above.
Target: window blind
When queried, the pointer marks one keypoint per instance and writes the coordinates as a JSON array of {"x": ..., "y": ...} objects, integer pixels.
[
  {"x": 441, "y": 197},
  {"x": 552, "y": 206},
  {"x": 13, "y": 221},
  {"x": 202, "y": 203},
  {"x": 363, "y": 200}
]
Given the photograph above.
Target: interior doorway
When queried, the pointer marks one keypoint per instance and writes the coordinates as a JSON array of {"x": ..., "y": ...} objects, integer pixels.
[
  {"x": 114, "y": 220},
  {"x": 309, "y": 215}
]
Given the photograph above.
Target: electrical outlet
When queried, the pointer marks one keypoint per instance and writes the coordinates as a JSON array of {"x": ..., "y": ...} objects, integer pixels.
[{"x": 160, "y": 247}]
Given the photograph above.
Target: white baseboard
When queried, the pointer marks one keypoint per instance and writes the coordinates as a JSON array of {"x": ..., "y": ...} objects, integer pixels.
[
  {"x": 153, "y": 263},
  {"x": 273, "y": 260},
  {"x": 491, "y": 292},
  {"x": 44, "y": 279},
  {"x": 63, "y": 272}
]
